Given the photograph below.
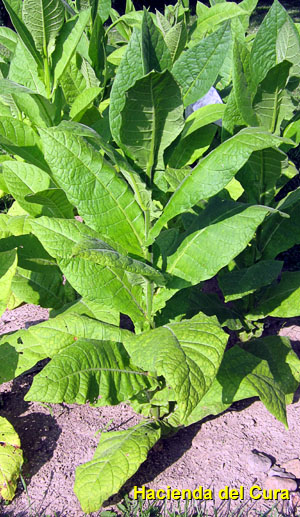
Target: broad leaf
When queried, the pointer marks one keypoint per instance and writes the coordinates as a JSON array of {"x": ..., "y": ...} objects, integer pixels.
[
  {"x": 43, "y": 19},
  {"x": 110, "y": 286},
  {"x": 187, "y": 354},
  {"x": 101, "y": 253},
  {"x": 197, "y": 68},
  {"x": 11, "y": 460},
  {"x": 281, "y": 300},
  {"x": 244, "y": 89},
  {"x": 155, "y": 52},
  {"x": 176, "y": 39},
  {"x": 226, "y": 226},
  {"x": 99, "y": 372},
  {"x": 242, "y": 375},
  {"x": 214, "y": 172},
  {"x": 83, "y": 102},
  {"x": 23, "y": 32},
  {"x": 23, "y": 70},
  {"x": 117, "y": 457},
  {"x": 209, "y": 19},
  {"x": 145, "y": 137},
  {"x": 67, "y": 42},
  {"x": 54, "y": 201},
  {"x": 18, "y": 138},
  {"x": 102, "y": 198},
  {"x": 238, "y": 283}
]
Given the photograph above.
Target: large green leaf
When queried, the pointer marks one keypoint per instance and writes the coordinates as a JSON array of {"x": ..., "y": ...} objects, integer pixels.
[
  {"x": 209, "y": 19},
  {"x": 11, "y": 460},
  {"x": 238, "y": 283},
  {"x": 8, "y": 39},
  {"x": 244, "y": 89},
  {"x": 67, "y": 42},
  {"x": 277, "y": 40},
  {"x": 18, "y": 138},
  {"x": 102, "y": 197},
  {"x": 110, "y": 286},
  {"x": 155, "y": 52},
  {"x": 54, "y": 201},
  {"x": 176, "y": 39},
  {"x": 117, "y": 457},
  {"x": 279, "y": 234},
  {"x": 197, "y": 68},
  {"x": 242, "y": 375},
  {"x": 23, "y": 178},
  {"x": 271, "y": 102},
  {"x": 131, "y": 68},
  {"x": 8, "y": 265},
  {"x": 24, "y": 348},
  {"x": 43, "y": 19},
  {"x": 23, "y": 70},
  {"x": 22, "y": 31},
  {"x": 101, "y": 253},
  {"x": 99, "y": 372},
  {"x": 187, "y": 354},
  {"x": 159, "y": 121},
  {"x": 41, "y": 288},
  {"x": 260, "y": 175},
  {"x": 72, "y": 81},
  {"x": 190, "y": 148},
  {"x": 214, "y": 172},
  {"x": 281, "y": 300},
  {"x": 83, "y": 102},
  {"x": 226, "y": 226}
]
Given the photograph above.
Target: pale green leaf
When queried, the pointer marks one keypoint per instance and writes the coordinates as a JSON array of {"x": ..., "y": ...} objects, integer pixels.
[
  {"x": 117, "y": 457},
  {"x": 11, "y": 460},
  {"x": 176, "y": 39},
  {"x": 102, "y": 197},
  {"x": 110, "y": 286},
  {"x": 202, "y": 117},
  {"x": 72, "y": 81},
  {"x": 43, "y": 19},
  {"x": 197, "y": 68},
  {"x": 23, "y": 70},
  {"x": 83, "y": 102},
  {"x": 8, "y": 38},
  {"x": 8, "y": 266},
  {"x": 187, "y": 354},
  {"x": 67, "y": 42},
  {"x": 214, "y": 172},
  {"x": 99, "y": 372}
]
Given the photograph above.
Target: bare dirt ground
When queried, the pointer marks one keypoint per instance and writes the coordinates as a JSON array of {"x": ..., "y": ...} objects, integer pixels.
[{"x": 213, "y": 453}]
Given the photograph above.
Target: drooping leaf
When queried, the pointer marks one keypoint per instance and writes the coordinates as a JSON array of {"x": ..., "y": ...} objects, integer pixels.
[
  {"x": 110, "y": 286},
  {"x": 238, "y": 283},
  {"x": 187, "y": 354},
  {"x": 102, "y": 198},
  {"x": 145, "y": 137},
  {"x": 99, "y": 372},
  {"x": 101, "y": 253},
  {"x": 197, "y": 68},
  {"x": 11, "y": 459},
  {"x": 43, "y": 19},
  {"x": 117, "y": 457},
  {"x": 214, "y": 172},
  {"x": 242, "y": 375}
]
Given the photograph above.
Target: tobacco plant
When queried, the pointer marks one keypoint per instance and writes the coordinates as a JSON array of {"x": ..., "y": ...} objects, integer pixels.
[{"x": 124, "y": 205}]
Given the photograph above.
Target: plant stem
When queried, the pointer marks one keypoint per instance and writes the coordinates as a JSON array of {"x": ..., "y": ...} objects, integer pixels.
[
  {"x": 149, "y": 284},
  {"x": 47, "y": 76}
]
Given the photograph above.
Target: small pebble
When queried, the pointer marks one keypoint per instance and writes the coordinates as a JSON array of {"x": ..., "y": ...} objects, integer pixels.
[
  {"x": 278, "y": 483},
  {"x": 258, "y": 462},
  {"x": 280, "y": 472},
  {"x": 293, "y": 466}
]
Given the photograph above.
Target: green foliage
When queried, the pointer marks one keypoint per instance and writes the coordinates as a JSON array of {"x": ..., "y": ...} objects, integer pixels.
[
  {"x": 11, "y": 459},
  {"x": 124, "y": 205}
]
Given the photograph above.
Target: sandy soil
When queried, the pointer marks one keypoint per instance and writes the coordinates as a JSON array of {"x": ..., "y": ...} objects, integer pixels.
[{"x": 213, "y": 453}]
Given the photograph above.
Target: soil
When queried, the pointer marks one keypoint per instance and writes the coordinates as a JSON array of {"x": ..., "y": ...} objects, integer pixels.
[{"x": 212, "y": 453}]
